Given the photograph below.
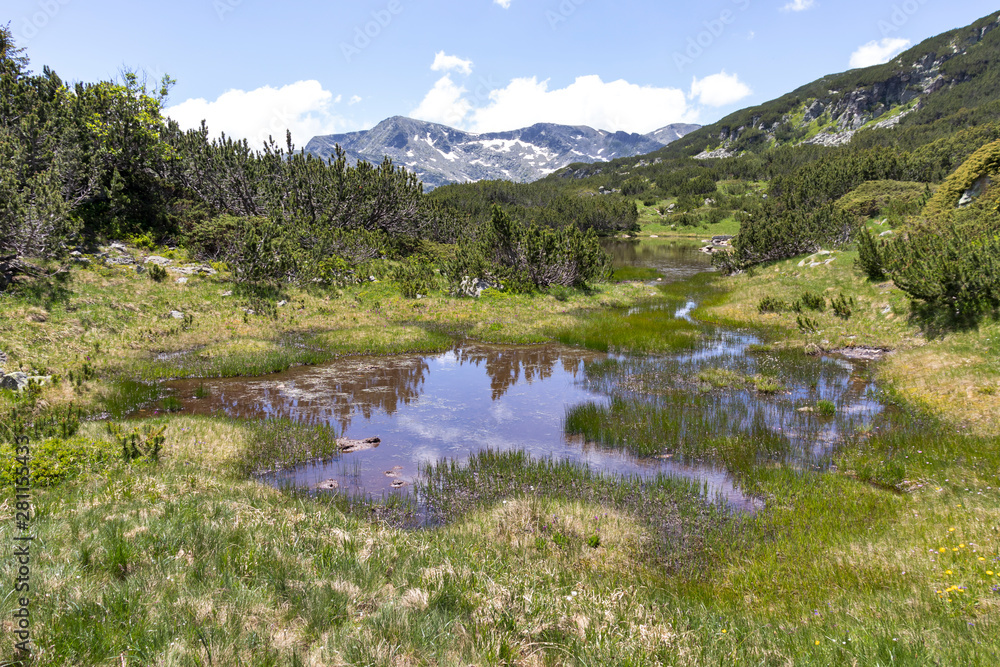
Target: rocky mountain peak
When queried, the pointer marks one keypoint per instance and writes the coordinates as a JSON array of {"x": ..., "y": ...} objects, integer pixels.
[{"x": 439, "y": 154}]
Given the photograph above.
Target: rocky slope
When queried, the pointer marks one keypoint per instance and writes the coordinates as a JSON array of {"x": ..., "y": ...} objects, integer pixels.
[
  {"x": 931, "y": 80},
  {"x": 439, "y": 154}
]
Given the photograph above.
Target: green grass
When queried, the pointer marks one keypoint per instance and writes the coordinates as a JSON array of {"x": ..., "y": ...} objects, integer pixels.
[
  {"x": 940, "y": 371},
  {"x": 168, "y": 563},
  {"x": 721, "y": 378},
  {"x": 107, "y": 325},
  {"x": 642, "y": 331},
  {"x": 728, "y": 227},
  {"x": 885, "y": 551},
  {"x": 680, "y": 429}
]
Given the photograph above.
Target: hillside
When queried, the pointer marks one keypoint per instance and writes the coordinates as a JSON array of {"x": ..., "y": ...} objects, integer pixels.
[
  {"x": 945, "y": 84},
  {"x": 439, "y": 154}
]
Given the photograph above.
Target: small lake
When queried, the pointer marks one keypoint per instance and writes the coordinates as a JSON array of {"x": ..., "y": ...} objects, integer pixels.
[
  {"x": 675, "y": 259},
  {"x": 429, "y": 407}
]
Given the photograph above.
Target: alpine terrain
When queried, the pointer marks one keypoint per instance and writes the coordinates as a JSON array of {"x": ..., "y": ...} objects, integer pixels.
[{"x": 439, "y": 154}]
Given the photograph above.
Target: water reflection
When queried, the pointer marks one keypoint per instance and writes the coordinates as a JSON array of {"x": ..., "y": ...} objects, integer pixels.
[
  {"x": 675, "y": 259},
  {"x": 332, "y": 394},
  {"x": 769, "y": 397},
  {"x": 505, "y": 366},
  {"x": 450, "y": 405}
]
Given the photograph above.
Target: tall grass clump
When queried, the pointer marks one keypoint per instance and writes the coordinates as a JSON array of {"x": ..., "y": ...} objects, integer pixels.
[
  {"x": 642, "y": 330},
  {"x": 693, "y": 435},
  {"x": 672, "y": 508},
  {"x": 274, "y": 444},
  {"x": 127, "y": 396}
]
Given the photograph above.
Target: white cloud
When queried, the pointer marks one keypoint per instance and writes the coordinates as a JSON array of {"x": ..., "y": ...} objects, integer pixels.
[
  {"x": 503, "y": 3},
  {"x": 606, "y": 105},
  {"x": 613, "y": 105},
  {"x": 303, "y": 107},
  {"x": 799, "y": 5},
  {"x": 445, "y": 63},
  {"x": 878, "y": 52},
  {"x": 444, "y": 103},
  {"x": 354, "y": 100},
  {"x": 718, "y": 90}
]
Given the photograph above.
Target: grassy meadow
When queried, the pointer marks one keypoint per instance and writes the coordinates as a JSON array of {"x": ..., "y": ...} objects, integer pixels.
[{"x": 890, "y": 554}]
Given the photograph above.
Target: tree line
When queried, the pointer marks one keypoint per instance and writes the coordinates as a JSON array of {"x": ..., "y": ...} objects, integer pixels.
[{"x": 95, "y": 161}]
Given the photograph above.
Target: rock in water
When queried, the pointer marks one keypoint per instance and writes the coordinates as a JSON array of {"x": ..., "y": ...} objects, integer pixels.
[{"x": 347, "y": 445}]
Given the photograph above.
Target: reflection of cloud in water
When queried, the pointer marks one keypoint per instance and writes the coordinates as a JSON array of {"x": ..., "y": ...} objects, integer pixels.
[
  {"x": 502, "y": 412},
  {"x": 476, "y": 397}
]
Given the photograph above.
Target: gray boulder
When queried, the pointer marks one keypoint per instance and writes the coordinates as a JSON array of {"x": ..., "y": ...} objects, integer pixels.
[
  {"x": 14, "y": 381},
  {"x": 973, "y": 193},
  {"x": 193, "y": 270},
  {"x": 474, "y": 287}
]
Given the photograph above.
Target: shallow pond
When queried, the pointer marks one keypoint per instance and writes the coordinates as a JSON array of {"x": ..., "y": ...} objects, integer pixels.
[
  {"x": 425, "y": 408},
  {"x": 675, "y": 259}
]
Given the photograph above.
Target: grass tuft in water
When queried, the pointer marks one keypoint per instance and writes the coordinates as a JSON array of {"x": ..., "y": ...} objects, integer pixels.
[
  {"x": 640, "y": 330},
  {"x": 275, "y": 444},
  {"x": 126, "y": 396},
  {"x": 645, "y": 429},
  {"x": 673, "y": 509},
  {"x": 826, "y": 408}
]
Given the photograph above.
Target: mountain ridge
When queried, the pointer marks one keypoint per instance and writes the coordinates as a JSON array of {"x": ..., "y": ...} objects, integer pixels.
[
  {"x": 951, "y": 79},
  {"x": 440, "y": 154}
]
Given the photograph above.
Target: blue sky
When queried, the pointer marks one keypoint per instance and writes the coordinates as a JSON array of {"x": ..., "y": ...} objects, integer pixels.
[{"x": 253, "y": 68}]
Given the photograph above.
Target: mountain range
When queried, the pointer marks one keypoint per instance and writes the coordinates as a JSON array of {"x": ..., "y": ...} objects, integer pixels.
[{"x": 439, "y": 154}]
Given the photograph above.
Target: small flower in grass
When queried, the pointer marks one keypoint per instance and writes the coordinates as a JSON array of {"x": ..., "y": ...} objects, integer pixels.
[
  {"x": 981, "y": 559},
  {"x": 947, "y": 571},
  {"x": 942, "y": 550},
  {"x": 951, "y": 530},
  {"x": 961, "y": 546}
]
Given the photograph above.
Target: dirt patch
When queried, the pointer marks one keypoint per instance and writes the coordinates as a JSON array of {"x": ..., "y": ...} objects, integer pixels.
[{"x": 862, "y": 353}]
